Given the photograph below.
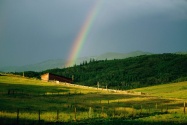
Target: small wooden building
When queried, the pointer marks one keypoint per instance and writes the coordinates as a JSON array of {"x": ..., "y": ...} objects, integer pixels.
[{"x": 53, "y": 77}]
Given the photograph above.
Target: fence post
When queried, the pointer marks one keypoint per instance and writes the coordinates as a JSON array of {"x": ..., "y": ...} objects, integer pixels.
[
  {"x": 132, "y": 111},
  {"x": 57, "y": 113},
  {"x": 39, "y": 115},
  {"x": 114, "y": 113},
  {"x": 75, "y": 113},
  {"x": 90, "y": 112},
  {"x": 102, "y": 109},
  {"x": 17, "y": 116},
  {"x": 184, "y": 107}
]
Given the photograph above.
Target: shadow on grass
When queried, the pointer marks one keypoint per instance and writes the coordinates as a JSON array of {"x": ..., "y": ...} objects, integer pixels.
[
  {"x": 91, "y": 121},
  {"x": 149, "y": 103},
  {"x": 30, "y": 89},
  {"x": 2, "y": 74},
  {"x": 115, "y": 121}
]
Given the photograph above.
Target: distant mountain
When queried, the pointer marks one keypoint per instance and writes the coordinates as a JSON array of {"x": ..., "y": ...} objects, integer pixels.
[
  {"x": 60, "y": 63},
  {"x": 49, "y": 64},
  {"x": 111, "y": 55}
]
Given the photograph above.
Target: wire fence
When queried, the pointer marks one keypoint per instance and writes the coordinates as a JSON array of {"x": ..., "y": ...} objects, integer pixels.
[
  {"x": 76, "y": 113},
  {"x": 75, "y": 110}
]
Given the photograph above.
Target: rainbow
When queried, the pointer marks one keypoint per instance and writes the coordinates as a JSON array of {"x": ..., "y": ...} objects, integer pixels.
[{"x": 83, "y": 33}]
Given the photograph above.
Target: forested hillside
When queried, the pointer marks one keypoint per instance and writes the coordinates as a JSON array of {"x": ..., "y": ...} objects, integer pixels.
[{"x": 127, "y": 73}]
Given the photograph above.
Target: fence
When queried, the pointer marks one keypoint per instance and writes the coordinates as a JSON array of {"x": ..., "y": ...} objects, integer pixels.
[
  {"x": 74, "y": 110},
  {"x": 74, "y": 113}
]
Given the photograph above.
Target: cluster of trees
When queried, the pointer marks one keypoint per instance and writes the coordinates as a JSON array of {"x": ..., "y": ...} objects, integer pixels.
[{"x": 127, "y": 73}]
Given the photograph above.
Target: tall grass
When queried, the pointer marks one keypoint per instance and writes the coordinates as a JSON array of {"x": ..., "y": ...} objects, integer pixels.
[{"x": 57, "y": 102}]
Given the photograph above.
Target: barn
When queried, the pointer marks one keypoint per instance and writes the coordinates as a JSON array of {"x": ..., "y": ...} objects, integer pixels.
[{"x": 52, "y": 77}]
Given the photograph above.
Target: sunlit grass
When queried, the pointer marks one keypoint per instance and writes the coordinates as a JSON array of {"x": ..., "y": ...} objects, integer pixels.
[
  {"x": 172, "y": 90},
  {"x": 34, "y": 95}
]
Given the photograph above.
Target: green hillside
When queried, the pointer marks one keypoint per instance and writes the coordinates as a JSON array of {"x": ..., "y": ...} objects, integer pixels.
[
  {"x": 129, "y": 73},
  {"x": 31, "y": 101},
  {"x": 171, "y": 90},
  {"x": 133, "y": 72}
]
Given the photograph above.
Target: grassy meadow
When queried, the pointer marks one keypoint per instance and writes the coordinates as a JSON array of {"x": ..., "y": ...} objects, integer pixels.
[
  {"x": 172, "y": 90},
  {"x": 31, "y": 101}
]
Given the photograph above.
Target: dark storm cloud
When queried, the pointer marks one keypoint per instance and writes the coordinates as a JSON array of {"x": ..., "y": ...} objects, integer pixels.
[
  {"x": 155, "y": 26},
  {"x": 36, "y": 30},
  {"x": 39, "y": 30}
]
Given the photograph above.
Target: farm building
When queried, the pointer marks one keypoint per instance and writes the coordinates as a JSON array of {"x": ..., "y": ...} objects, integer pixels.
[{"x": 53, "y": 77}]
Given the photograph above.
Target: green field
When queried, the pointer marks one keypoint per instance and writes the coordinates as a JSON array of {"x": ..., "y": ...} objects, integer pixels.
[
  {"x": 173, "y": 90},
  {"x": 31, "y": 101}
]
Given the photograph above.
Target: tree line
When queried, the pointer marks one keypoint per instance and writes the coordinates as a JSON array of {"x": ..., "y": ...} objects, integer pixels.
[{"x": 127, "y": 73}]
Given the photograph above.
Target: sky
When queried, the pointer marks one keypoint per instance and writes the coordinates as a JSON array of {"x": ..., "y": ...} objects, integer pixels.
[{"x": 33, "y": 31}]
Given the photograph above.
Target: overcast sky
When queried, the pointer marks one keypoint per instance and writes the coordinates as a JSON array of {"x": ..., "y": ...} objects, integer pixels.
[{"x": 32, "y": 31}]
